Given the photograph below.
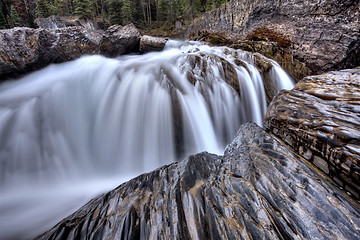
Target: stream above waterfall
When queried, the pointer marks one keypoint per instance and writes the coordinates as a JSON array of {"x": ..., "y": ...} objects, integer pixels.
[{"x": 77, "y": 129}]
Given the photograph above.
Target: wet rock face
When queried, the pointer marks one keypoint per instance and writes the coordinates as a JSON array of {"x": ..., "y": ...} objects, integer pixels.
[
  {"x": 120, "y": 40},
  {"x": 257, "y": 190},
  {"x": 23, "y": 50},
  {"x": 320, "y": 120},
  {"x": 323, "y": 35}
]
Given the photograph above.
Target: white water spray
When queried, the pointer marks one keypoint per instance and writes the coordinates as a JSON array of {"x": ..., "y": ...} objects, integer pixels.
[{"x": 71, "y": 126}]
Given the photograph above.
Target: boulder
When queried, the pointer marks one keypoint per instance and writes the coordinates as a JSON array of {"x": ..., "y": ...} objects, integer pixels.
[
  {"x": 120, "y": 40},
  {"x": 317, "y": 36},
  {"x": 23, "y": 50},
  {"x": 258, "y": 190},
  {"x": 150, "y": 44},
  {"x": 320, "y": 120}
]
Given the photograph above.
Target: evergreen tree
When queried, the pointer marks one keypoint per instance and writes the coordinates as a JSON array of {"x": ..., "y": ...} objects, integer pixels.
[
  {"x": 42, "y": 9},
  {"x": 54, "y": 8},
  {"x": 127, "y": 12},
  {"x": 21, "y": 10},
  {"x": 210, "y": 5},
  {"x": 137, "y": 14},
  {"x": 63, "y": 7},
  {"x": 114, "y": 12},
  {"x": 14, "y": 17},
  {"x": 83, "y": 8},
  {"x": 218, "y": 3},
  {"x": 3, "y": 23}
]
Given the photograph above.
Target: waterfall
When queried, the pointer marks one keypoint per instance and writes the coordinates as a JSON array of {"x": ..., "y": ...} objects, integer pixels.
[{"x": 73, "y": 130}]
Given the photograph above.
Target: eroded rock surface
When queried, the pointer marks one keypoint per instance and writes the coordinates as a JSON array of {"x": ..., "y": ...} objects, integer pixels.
[
  {"x": 23, "y": 50},
  {"x": 120, "y": 40},
  {"x": 257, "y": 190},
  {"x": 320, "y": 120},
  {"x": 149, "y": 43},
  {"x": 323, "y": 35}
]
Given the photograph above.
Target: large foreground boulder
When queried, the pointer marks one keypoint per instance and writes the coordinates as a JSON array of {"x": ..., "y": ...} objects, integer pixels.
[
  {"x": 23, "y": 50},
  {"x": 257, "y": 190},
  {"x": 304, "y": 36},
  {"x": 320, "y": 120}
]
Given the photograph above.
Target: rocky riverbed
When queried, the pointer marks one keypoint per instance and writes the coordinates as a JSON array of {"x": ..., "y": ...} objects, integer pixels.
[{"x": 259, "y": 188}]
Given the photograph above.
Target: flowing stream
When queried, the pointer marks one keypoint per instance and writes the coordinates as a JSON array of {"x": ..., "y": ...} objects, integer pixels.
[{"x": 77, "y": 129}]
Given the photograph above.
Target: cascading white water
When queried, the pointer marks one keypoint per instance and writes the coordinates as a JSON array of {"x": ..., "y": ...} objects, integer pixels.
[{"x": 73, "y": 130}]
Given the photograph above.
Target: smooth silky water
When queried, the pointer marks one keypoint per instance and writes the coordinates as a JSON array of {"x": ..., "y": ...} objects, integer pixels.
[{"x": 74, "y": 130}]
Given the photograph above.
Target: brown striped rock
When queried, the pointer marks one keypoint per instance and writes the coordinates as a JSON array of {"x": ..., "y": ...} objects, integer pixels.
[{"x": 320, "y": 120}]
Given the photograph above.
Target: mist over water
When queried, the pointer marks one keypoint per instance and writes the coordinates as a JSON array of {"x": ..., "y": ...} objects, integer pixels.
[{"x": 77, "y": 129}]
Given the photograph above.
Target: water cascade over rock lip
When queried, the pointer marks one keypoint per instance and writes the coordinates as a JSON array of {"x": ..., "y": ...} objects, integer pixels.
[
  {"x": 259, "y": 189},
  {"x": 95, "y": 118}
]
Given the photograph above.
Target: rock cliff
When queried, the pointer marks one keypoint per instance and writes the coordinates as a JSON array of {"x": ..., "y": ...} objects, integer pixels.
[
  {"x": 315, "y": 36},
  {"x": 257, "y": 190},
  {"x": 25, "y": 49},
  {"x": 320, "y": 120}
]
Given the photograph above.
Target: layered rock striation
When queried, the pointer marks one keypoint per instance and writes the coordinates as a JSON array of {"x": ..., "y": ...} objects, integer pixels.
[
  {"x": 320, "y": 120},
  {"x": 304, "y": 36},
  {"x": 23, "y": 50},
  {"x": 257, "y": 190}
]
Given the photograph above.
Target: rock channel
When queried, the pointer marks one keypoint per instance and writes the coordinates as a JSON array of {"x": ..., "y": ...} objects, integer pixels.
[{"x": 259, "y": 188}]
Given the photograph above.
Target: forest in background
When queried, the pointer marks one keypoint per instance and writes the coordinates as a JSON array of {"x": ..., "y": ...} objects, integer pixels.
[{"x": 145, "y": 14}]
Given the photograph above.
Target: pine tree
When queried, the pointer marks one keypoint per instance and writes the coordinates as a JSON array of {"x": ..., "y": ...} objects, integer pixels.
[
  {"x": 210, "y": 5},
  {"x": 14, "y": 17},
  {"x": 127, "y": 12},
  {"x": 2, "y": 16},
  {"x": 20, "y": 8},
  {"x": 136, "y": 13},
  {"x": 114, "y": 12},
  {"x": 63, "y": 7},
  {"x": 2, "y": 21},
  {"x": 218, "y": 3},
  {"x": 54, "y": 8},
  {"x": 42, "y": 9},
  {"x": 83, "y": 8}
]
